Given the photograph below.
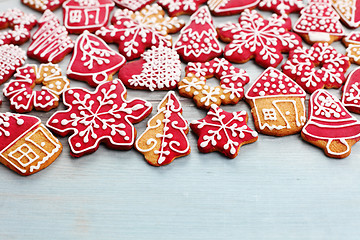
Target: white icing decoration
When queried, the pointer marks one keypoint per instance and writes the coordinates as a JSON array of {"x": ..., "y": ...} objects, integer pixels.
[
  {"x": 43, "y": 4},
  {"x": 229, "y": 6},
  {"x": 11, "y": 57},
  {"x": 180, "y": 5},
  {"x": 282, "y": 6},
  {"x": 349, "y": 11},
  {"x": 133, "y": 5}
]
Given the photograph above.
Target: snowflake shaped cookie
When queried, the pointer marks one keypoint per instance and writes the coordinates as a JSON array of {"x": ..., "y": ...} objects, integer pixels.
[
  {"x": 281, "y": 6},
  {"x": 351, "y": 92},
  {"x": 11, "y": 57},
  {"x": 230, "y": 90},
  {"x": 100, "y": 116},
  {"x": 93, "y": 61},
  {"x": 179, "y": 7},
  {"x": 43, "y": 5},
  {"x": 256, "y": 37},
  {"x": 158, "y": 69},
  {"x": 302, "y": 63},
  {"x": 133, "y": 5},
  {"x": 352, "y": 42},
  {"x": 223, "y": 132},
  {"x": 136, "y": 31}
]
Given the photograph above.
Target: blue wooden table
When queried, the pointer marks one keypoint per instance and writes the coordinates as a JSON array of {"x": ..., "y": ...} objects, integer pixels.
[{"x": 277, "y": 188}]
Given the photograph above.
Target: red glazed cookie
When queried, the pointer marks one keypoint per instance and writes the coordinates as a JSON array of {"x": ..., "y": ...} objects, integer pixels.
[
  {"x": 91, "y": 15},
  {"x": 230, "y": 90},
  {"x": 165, "y": 136},
  {"x": 21, "y": 24},
  {"x": 330, "y": 126},
  {"x": 352, "y": 42},
  {"x": 20, "y": 90},
  {"x": 256, "y": 37},
  {"x": 43, "y": 5},
  {"x": 351, "y": 92},
  {"x": 133, "y": 5},
  {"x": 349, "y": 11},
  {"x": 230, "y": 7},
  {"x": 277, "y": 104},
  {"x": 136, "y": 31},
  {"x": 223, "y": 132},
  {"x": 11, "y": 57},
  {"x": 319, "y": 23},
  {"x": 198, "y": 39},
  {"x": 26, "y": 145},
  {"x": 179, "y": 7},
  {"x": 158, "y": 69},
  {"x": 302, "y": 67},
  {"x": 50, "y": 43},
  {"x": 281, "y": 6},
  {"x": 101, "y": 116},
  {"x": 93, "y": 61}
]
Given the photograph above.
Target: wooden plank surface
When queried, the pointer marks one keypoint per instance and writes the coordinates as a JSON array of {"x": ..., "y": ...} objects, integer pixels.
[{"x": 277, "y": 188}]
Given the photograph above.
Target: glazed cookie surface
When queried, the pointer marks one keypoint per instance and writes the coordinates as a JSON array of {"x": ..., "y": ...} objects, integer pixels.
[
  {"x": 351, "y": 92},
  {"x": 180, "y": 7},
  {"x": 11, "y": 58},
  {"x": 352, "y": 42},
  {"x": 281, "y": 6},
  {"x": 43, "y": 5},
  {"x": 230, "y": 7},
  {"x": 133, "y": 5},
  {"x": 349, "y": 11}
]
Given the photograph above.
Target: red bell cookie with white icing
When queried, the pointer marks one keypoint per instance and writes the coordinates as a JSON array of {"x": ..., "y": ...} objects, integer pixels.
[
  {"x": 21, "y": 24},
  {"x": 102, "y": 116},
  {"x": 223, "y": 132},
  {"x": 302, "y": 67},
  {"x": 158, "y": 69},
  {"x": 281, "y": 6},
  {"x": 133, "y": 5},
  {"x": 230, "y": 7},
  {"x": 349, "y": 11},
  {"x": 259, "y": 38},
  {"x": 165, "y": 136},
  {"x": 93, "y": 61},
  {"x": 11, "y": 57},
  {"x": 352, "y": 42},
  {"x": 351, "y": 92},
  {"x": 90, "y": 15},
  {"x": 230, "y": 90},
  {"x": 26, "y": 145},
  {"x": 43, "y": 5},
  {"x": 330, "y": 126},
  {"x": 277, "y": 104},
  {"x": 198, "y": 39},
  {"x": 179, "y": 7},
  {"x": 319, "y": 23},
  {"x": 20, "y": 90},
  {"x": 136, "y": 31},
  {"x": 50, "y": 43}
]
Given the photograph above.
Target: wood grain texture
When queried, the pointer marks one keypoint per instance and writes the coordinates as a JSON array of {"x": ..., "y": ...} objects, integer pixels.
[{"x": 277, "y": 188}]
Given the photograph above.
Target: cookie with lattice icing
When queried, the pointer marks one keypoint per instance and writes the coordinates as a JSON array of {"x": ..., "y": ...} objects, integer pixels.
[
  {"x": 43, "y": 5},
  {"x": 26, "y": 145},
  {"x": 351, "y": 91},
  {"x": 11, "y": 58},
  {"x": 352, "y": 43},
  {"x": 158, "y": 69},
  {"x": 349, "y": 12}
]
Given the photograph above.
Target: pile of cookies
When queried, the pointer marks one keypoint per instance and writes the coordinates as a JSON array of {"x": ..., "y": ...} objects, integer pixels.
[{"x": 149, "y": 59}]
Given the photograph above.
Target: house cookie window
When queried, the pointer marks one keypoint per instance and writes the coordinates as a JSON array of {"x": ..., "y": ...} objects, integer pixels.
[
  {"x": 75, "y": 16},
  {"x": 24, "y": 155},
  {"x": 269, "y": 114}
]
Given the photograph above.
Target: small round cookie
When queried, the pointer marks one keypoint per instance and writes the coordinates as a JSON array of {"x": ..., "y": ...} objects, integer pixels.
[
  {"x": 20, "y": 90},
  {"x": 352, "y": 43},
  {"x": 43, "y": 5},
  {"x": 26, "y": 145},
  {"x": 281, "y": 7},
  {"x": 133, "y": 5},
  {"x": 330, "y": 126},
  {"x": 223, "y": 132},
  {"x": 302, "y": 67},
  {"x": 180, "y": 7},
  {"x": 11, "y": 57},
  {"x": 351, "y": 92},
  {"x": 230, "y": 90},
  {"x": 349, "y": 12}
]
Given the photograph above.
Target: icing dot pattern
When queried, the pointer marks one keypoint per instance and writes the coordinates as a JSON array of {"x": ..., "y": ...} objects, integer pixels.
[
  {"x": 352, "y": 41},
  {"x": 349, "y": 11},
  {"x": 281, "y": 6},
  {"x": 11, "y": 57},
  {"x": 179, "y": 7},
  {"x": 133, "y": 5}
]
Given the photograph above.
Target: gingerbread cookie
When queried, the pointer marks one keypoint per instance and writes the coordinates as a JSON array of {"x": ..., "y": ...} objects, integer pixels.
[
  {"x": 103, "y": 116},
  {"x": 20, "y": 90},
  {"x": 158, "y": 69},
  {"x": 133, "y": 5},
  {"x": 90, "y": 15},
  {"x": 349, "y": 11},
  {"x": 93, "y": 61},
  {"x": 330, "y": 126},
  {"x": 136, "y": 31},
  {"x": 230, "y": 7},
  {"x": 11, "y": 57},
  {"x": 21, "y": 24},
  {"x": 51, "y": 42},
  {"x": 26, "y": 145},
  {"x": 43, "y": 5},
  {"x": 198, "y": 39},
  {"x": 256, "y": 37},
  {"x": 223, "y": 132},
  {"x": 319, "y": 23},
  {"x": 230, "y": 90},
  {"x": 165, "y": 136},
  {"x": 302, "y": 67},
  {"x": 277, "y": 104},
  {"x": 352, "y": 42},
  {"x": 281, "y": 6},
  {"x": 179, "y": 7},
  {"x": 351, "y": 92}
]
